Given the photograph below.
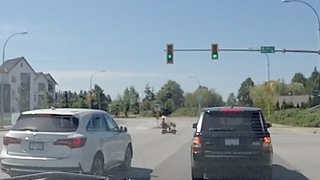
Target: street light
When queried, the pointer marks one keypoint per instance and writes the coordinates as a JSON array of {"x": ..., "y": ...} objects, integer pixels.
[
  {"x": 268, "y": 63},
  {"x": 199, "y": 97},
  {"x": 192, "y": 77},
  {"x": 91, "y": 84},
  {"x": 315, "y": 12},
  {"x": 2, "y": 77}
]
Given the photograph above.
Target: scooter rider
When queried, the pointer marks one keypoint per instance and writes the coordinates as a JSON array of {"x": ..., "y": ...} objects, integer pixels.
[
  {"x": 163, "y": 123},
  {"x": 166, "y": 124}
]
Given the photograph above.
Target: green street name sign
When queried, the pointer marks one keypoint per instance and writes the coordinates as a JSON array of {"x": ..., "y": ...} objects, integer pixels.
[{"x": 267, "y": 49}]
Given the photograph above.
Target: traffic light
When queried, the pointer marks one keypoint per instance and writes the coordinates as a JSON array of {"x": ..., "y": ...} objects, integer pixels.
[
  {"x": 169, "y": 53},
  {"x": 214, "y": 51}
]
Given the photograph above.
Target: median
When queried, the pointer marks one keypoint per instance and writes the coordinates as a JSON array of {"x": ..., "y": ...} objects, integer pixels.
[{"x": 296, "y": 117}]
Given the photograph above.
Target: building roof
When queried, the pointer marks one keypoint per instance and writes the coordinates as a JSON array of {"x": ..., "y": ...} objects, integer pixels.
[
  {"x": 38, "y": 74},
  {"x": 295, "y": 99},
  {"x": 50, "y": 78},
  {"x": 9, "y": 64},
  {"x": 47, "y": 76}
]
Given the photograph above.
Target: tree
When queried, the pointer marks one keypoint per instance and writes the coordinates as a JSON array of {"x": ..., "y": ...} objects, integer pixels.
[
  {"x": 283, "y": 88},
  {"x": 115, "y": 107},
  {"x": 23, "y": 101},
  {"x": 299, "y": 78},
  {"x": 244, "y": 93},
  {"x": 304, "y": 105},
  {"x": 190, "y": 100},
  {"x": 100, "y": 99},
  {"x": 284, "y": 104},
  {"x": 208, "y": 97},
  {"x": 312, "y": 82},
  {"x": 80, "y": 101},
  {"x": 47, "y": 101},
  {"x": 265, "y": 96},
  {"x": 134, "y": 100},
  {"x": 171, "y": 90},
  {"x": 278, "y": 105},
  {"x": 231, "y": 100},
  {"x": 296, "y": 88},
  {"x": 131, "y": 99},
  {"x": 260, "y": 98},
  {"x": 149, "y": 93}
]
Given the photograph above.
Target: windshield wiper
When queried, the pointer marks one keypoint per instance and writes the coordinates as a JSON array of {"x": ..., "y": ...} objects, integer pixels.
[
  {"x": 221, "y": 129},
  {"x": 29, "y": 129}
]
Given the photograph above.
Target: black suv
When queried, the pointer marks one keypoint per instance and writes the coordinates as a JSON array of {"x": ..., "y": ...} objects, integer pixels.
[{"x": 231, "y": 142}]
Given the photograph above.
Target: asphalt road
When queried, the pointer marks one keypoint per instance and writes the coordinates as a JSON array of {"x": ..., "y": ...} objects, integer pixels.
[{"x": 157, "y": 156}]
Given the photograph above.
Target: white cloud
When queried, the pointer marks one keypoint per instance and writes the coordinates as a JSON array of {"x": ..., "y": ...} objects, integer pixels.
[{"x": 112, "y": 75}]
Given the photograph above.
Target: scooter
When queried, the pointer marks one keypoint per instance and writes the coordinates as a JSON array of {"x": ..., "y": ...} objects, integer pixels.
[{"x": 168, "y": 128}]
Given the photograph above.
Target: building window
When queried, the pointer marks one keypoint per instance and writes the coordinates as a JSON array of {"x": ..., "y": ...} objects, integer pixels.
[
  {"x": 35, "y": 98},
  {"x": 21, "y": 64},
  {"x": 13, "y": 79},
  {"x": 41, "y": 87},
  {"x": 50, "y": 87}
]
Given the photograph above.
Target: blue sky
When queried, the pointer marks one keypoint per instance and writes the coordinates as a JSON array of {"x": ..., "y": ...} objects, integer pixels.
[{"x": 72, "y": 39}]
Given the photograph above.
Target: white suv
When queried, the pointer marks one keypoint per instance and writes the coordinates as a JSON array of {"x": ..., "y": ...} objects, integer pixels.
[{"x": 66, "y": 139}]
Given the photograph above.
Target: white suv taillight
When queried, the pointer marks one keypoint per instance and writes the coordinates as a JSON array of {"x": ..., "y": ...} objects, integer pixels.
[
  {"x": 196, "y": 144},
  {"x": 10, "y": 140},
  {"x": 72, "y": 142}
]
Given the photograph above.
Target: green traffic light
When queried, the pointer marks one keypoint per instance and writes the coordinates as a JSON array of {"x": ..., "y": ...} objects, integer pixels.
[
  {"x": 170, "y": 56},
  {"x": 215, "y": 56}
]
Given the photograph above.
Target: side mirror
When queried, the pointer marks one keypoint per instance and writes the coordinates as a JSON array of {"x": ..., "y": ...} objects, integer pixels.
[
  {"x": 269, "y": 125},
  {"x": 194, "y": 125}
]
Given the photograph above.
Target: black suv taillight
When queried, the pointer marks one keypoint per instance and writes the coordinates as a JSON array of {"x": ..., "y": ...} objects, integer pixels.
[
  {"x": 267, "y": 146},
  {"x": 196, "y": 144}
]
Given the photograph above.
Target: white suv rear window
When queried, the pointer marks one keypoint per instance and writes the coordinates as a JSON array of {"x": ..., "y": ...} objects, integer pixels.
[{"x": 46, "y": 123}]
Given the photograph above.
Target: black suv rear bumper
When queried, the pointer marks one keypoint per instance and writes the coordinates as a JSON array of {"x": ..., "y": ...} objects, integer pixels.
[{"x": 232, "y": 166}]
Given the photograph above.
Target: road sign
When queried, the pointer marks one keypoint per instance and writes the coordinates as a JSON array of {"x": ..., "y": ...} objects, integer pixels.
[{"x": 267, "y": 49}]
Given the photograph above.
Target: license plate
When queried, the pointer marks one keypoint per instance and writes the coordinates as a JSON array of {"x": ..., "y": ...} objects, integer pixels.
[
  {"x": 231, "y": 142},
  {"x": 36, "y": 146}
]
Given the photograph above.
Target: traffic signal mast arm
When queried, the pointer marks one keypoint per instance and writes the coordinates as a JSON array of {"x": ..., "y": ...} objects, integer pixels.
[{"x": 252, "y": 50}]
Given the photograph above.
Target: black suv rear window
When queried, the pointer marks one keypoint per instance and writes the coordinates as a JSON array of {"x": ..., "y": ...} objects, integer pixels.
[
  {"x": 46, "y": 123},
  {"x": 231, "y": 121}
]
